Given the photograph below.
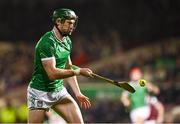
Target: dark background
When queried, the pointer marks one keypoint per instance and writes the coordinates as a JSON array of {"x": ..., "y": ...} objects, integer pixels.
[{"x": 138, "y": 21}]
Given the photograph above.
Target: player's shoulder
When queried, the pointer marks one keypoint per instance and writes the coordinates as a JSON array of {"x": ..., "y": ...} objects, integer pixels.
[
  {"x": 48, "y": 36},
  {"x": 47, "y": 40}
]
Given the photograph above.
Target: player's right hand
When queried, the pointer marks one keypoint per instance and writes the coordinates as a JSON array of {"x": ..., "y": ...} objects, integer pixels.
[
  {"x": 83, "y": 100},
  {"x": 86, "y": 72}
]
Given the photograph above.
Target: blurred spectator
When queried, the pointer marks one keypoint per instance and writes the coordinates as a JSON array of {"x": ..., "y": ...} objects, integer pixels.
[
  {"x": 8, "y": 113},
  {"x": 22, "y": 113},
  {"x": 80, "y": 58}
]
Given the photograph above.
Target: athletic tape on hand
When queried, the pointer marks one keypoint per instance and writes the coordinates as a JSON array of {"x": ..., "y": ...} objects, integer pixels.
[{"x": 77, "y": 71}]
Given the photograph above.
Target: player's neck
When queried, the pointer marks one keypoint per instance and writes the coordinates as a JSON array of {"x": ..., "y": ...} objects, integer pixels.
[{"x": 57, "y": 34}]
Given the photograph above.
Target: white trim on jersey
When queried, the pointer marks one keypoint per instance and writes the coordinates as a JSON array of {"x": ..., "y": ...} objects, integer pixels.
[{"x": 49, "y": 58}]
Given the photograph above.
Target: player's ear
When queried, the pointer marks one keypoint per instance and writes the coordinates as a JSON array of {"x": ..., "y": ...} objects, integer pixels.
[{"x": 58, "y": 21}]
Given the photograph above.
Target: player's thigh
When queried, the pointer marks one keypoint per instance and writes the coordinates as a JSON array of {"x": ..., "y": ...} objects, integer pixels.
[
  {"x": 69, "y": 110},
  {"x": 36, "y": 116}
]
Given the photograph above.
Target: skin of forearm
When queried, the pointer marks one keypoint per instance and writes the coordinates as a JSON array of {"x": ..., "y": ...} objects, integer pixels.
[
  {"x": 61, "y": 73},
  {"x": 72, "y": 81}
]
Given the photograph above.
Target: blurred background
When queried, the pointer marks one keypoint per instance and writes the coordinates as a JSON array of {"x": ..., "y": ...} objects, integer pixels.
[{"x": 111, "y": 38}]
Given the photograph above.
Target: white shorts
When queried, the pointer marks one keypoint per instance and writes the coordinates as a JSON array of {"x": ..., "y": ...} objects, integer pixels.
[
  {"x": 142, "y": 112},
  {"x": 44, "y": 100}
]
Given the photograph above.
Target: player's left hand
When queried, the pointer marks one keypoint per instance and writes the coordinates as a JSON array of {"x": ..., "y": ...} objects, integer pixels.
[{"x": 83, "y": 100}]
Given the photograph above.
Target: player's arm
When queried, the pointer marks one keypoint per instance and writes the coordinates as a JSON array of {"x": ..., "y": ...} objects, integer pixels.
[
  {"x": 53, "y": 72},
  {"x": 125, "y": 99},
  {"x": 153, "y": 88},
  {"x": 57, "y": 73},
  {"x": 73, "y": 83}
]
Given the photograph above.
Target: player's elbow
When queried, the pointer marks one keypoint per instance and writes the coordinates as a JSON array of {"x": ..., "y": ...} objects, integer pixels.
[
  {"x": 51, "y": 73},
  {"x": 51, "y": 77},
  {"x": 126, "y": 103},
  {"x": 55, "y": 73}
]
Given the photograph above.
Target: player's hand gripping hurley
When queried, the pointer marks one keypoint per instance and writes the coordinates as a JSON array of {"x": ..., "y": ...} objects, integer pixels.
[{"x": 122, "y": 84}]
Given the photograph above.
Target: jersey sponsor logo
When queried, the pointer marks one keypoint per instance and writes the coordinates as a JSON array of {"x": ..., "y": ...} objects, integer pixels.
[{"x": 39, "y": 103}]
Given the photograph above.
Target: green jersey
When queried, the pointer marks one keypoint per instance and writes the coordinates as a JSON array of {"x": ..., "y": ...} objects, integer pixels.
[
  {"x": 138, "y": 99},
  {"x": 47, "y": 48}
]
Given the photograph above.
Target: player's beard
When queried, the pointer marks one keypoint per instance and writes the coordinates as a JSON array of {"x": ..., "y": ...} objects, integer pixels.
[
  {"x": 68, "y": 33},
  {"x": 70, "y": 30},
  {"x": 64, "y": 34}
]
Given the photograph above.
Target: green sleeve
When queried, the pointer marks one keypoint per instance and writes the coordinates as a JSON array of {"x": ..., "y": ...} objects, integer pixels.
[{"x": 46, "y": 50}]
